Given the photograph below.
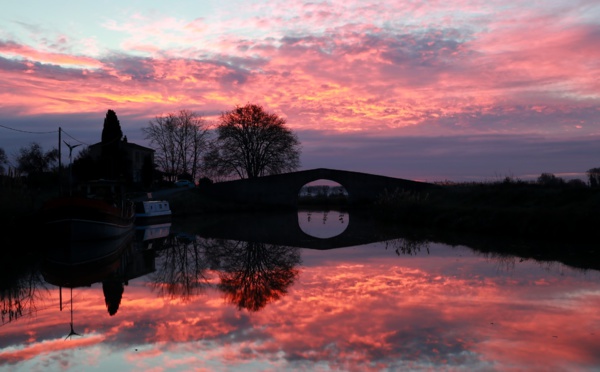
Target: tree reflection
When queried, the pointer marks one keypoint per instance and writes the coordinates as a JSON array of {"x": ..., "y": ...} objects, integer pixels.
[
  {"x": 113, "y": 293},
  {"x": 18, "y": 292},
  {"x": 251, "y": 274},
  {"x": 181, "y": 268},
  {"x": 406, "y": 246},
  {"x": 254, "y": 274}
]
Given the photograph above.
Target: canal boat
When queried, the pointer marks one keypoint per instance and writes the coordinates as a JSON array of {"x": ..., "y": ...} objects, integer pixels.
[
  {"x": 150, "y": 212},
  {"x": 98, "y": 210}
]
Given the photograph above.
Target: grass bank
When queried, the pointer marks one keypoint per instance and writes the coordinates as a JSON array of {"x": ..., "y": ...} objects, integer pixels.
[
  {"x": 18, "y": 207},
  {"x": 509, "y": 208},
  {"x": 517, "y": 209}
]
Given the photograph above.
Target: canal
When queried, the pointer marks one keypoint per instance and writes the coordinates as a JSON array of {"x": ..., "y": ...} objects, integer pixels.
[{"x": 331, "y": 291}]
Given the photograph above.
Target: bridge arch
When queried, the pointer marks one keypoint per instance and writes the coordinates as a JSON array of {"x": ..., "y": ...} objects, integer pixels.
[{"x": 282, "y": 189}]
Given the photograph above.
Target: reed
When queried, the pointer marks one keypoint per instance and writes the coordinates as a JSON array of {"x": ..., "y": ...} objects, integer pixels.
[{"x": 500, "y": 208}]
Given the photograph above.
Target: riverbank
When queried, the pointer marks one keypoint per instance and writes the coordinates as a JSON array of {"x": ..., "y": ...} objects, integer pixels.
[
  {"x": 18, "y": 209},
  {"x": 508, "y": 209},
  {"x": 503, "y": 209},
  {"x": 515, "y": 209}
]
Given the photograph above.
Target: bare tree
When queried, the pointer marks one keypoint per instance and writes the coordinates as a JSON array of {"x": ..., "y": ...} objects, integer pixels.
[
  {"x": 3, "y": 160},
  {"x": 251, "y": 143},
  {"x": 180, "y": 138}
]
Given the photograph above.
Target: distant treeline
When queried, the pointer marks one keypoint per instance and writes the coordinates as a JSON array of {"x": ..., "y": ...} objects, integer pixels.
[{"x": 550, "y": 208}]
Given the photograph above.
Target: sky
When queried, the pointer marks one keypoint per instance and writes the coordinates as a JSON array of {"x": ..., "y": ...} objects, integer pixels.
[{"x": 424, "y": 90}]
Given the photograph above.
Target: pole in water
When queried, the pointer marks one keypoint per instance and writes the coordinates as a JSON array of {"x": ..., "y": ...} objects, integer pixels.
[
  {"x": 59, "y": 161},
  {"x": 72, "y": 332}
]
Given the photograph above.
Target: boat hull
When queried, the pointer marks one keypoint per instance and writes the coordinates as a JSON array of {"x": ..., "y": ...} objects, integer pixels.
[
  {"x": 80, "y": 219},
  {"x": 81, "y": 229}
]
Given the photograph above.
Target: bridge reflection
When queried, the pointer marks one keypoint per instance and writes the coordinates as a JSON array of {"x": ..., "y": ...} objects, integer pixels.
[{"x": 283, "y": 228}]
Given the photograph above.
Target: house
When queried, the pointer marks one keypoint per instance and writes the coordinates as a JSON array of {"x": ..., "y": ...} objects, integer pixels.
[{"x": 134, "y": 157}]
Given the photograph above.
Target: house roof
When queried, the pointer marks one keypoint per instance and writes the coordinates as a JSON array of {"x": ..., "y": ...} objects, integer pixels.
[{"x": 129, "y": 145}]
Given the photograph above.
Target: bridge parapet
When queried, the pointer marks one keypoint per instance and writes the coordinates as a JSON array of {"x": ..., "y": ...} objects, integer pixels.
[{"x": 283, "y": 189}]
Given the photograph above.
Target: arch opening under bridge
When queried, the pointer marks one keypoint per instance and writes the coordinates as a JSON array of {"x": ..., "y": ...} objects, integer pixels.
[{"x": 322, "y": 191}]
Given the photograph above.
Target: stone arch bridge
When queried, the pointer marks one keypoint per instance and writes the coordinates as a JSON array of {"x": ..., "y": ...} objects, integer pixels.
[{"x": 283, "y": 189}]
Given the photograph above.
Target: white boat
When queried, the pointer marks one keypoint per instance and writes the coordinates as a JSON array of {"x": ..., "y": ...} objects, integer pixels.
[{"x": 150, "y": 212}]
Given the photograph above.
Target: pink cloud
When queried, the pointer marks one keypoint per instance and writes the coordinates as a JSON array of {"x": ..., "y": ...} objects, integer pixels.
[
  {"x": 31, "y": 54},
  {"x": 314, "y": 64}
]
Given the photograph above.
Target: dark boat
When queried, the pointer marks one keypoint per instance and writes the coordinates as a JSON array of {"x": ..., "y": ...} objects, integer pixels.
[{"x": 98, "y": 210}]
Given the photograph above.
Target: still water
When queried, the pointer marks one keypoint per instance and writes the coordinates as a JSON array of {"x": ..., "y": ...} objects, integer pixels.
[{"x": 313, "y": 291}]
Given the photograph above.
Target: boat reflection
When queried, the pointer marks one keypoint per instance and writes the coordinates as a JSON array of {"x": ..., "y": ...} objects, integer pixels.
[
  {"x": 149, "y": 234},
  {"x": 112, "y": 262},
  {"x": 72, "y": 263},
  {"x": 81, "y": 264}
]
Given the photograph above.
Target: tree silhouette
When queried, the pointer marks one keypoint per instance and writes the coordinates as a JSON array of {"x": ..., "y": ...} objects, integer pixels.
[
  {"x": 147, "y": 172},
  {"x": 111, "y": 140},
  {"x": 549, "y": 179},
  {"x": 111, "y": 132},
  {"x": 113, "y": 293},
  {"x": 251, "y": 143},
  {"x": 255, "y": 274},
  {"x": 20, "y": 282},
  {"x": 84, "y": 166},
  {"x": 3, "y": 160},
  {"x": 34, "y": 160},
  {"x": 180, "y": 138},
  {"x": 406, "y": 246},
  {"x": 594, "y": 177}
]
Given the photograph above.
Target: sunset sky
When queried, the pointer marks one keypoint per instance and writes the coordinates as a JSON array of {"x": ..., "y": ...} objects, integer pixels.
[{"x": 426, "y": 90}]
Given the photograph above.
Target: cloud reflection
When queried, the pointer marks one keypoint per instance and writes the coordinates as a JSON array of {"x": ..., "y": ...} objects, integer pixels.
[{"x": 359, "y": 309}]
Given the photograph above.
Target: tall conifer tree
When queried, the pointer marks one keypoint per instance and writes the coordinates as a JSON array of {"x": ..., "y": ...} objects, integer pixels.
[{"x": 111, "y": 140}]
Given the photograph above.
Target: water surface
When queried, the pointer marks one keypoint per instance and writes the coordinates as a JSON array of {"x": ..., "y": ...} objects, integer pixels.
[{"x": 181, "y": 300}]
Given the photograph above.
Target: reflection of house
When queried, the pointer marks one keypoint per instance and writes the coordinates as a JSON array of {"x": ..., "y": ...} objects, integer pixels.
[{"x": 134, "y": 157}]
